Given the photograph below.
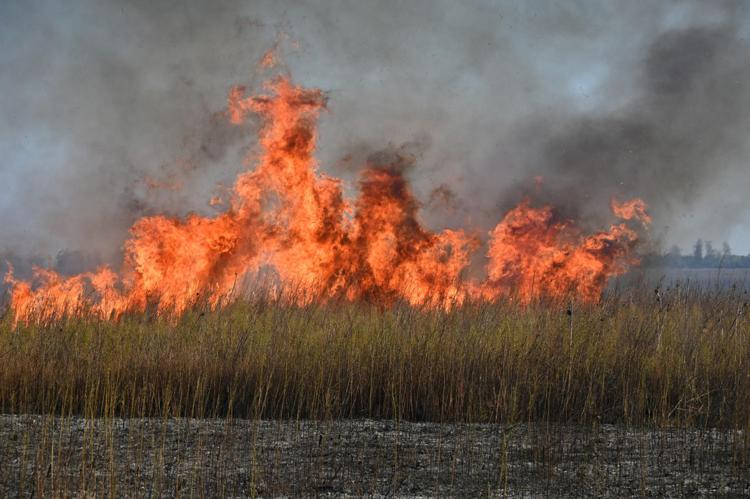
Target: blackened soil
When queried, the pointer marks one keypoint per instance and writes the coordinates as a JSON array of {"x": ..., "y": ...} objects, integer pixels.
[{"x": 237, "y": 458}]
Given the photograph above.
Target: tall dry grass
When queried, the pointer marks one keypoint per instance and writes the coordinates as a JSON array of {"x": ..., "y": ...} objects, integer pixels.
[{"x": 680, "y": 357}]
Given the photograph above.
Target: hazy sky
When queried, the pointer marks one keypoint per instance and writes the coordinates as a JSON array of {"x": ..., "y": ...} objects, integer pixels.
[{"x": 601, "y": 98}]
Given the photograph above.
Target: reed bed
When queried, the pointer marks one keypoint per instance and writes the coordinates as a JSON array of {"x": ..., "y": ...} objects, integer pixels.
[
  {"x": 676, "y": 357},
  {"x": 645, "y": 393}
]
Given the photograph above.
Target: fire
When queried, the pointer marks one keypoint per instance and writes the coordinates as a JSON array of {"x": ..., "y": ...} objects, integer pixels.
[
  {"x": 531, "y": 255},
  {"x": 634, "y": 209},
  {"x": 269, "y": 58},
  {"x": 286, "y": 216}
]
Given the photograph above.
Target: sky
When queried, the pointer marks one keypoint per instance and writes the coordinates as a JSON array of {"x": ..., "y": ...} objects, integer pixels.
[{"x": 100, "y": 99}]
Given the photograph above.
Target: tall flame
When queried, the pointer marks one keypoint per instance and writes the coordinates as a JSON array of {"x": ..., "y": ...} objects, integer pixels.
[{"x": 286, "y": 216}]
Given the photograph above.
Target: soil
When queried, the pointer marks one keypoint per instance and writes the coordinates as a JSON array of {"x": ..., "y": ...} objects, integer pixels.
[{"x": 239, "y": 458}]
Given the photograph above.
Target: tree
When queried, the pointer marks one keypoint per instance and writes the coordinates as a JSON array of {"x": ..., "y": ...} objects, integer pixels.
[
  {"x": 698, "y": 250},
  {"x": 710, "y": 252},
  {"x": 725, "y": 249},
  {"x": 674, "y": 257}
]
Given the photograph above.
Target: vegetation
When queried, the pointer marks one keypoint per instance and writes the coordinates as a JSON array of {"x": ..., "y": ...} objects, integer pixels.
[
  {"x": 672, "y": 362},
  {"x": 671, "y": 357},
  {"x": 704, "y": 255}
]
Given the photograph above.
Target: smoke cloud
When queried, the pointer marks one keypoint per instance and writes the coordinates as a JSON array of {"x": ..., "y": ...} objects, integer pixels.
[{"x": 113, "y": 110}]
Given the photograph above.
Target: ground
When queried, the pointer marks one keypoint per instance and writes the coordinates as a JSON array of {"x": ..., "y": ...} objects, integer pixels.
[{"x": 235, "y": 458}]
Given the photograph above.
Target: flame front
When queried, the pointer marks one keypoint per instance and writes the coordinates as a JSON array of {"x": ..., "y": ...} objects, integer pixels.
[
  {"x": 288, "y": 217},
  {"x": 531, "y": 255}
]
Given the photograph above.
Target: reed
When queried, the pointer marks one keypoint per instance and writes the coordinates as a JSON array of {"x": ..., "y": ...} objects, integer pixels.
[{"x": 676, "y": 358}]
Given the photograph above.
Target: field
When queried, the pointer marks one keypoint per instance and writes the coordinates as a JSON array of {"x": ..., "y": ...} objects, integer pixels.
[
  {"x": 177, "y": 457},
  {"x": 645, "y": 392}
]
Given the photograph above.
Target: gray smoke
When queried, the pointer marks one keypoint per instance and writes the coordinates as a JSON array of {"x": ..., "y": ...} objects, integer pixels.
[
  {"x": 679, "y": 143},
  {"x": 112, "y": 110}
]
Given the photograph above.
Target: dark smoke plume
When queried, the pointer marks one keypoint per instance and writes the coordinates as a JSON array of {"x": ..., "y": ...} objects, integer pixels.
[{"x": 682, "y": 134}]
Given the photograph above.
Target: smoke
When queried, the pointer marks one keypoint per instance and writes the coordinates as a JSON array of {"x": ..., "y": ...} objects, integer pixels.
[
  {"x": 112, "y": 110},
  {"x": 680, "y": 142}
]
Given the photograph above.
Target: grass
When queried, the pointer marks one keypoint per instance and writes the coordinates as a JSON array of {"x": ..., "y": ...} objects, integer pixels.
[
  {"x": 270, "y": 385},
  {"x": 679, "y": 358}
]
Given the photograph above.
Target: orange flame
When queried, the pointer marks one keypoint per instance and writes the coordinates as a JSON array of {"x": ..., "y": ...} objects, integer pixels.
[
  {"x": 269, "y": 58},
  {"x": 286, "y": 216},
  {"x": 532, "y": 255},
  {"x": 634, "y": 209}
]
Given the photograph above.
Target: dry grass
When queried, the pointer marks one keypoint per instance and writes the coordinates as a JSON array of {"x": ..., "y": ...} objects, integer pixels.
[
  {"x": 681, "y": 358},
  {"x": 108, "y": 392}
]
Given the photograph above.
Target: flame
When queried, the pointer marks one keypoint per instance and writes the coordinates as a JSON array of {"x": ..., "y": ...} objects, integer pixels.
[
  {"x": 634, "y": 209},
  {"x": 533, "y": 255},
  {"x": 286, "y": 216},
  {"x": 269, "y": 59}
]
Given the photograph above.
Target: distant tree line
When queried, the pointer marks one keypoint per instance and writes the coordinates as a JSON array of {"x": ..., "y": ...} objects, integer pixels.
[{"x": 704, "y": 255}]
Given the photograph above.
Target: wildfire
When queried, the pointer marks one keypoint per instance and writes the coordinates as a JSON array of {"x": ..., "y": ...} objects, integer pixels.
[
  {"x": 530, "y": 255},
  {"x": 286, "y": 216}
]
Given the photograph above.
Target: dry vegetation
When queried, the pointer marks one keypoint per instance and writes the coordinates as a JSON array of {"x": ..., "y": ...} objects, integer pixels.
[{"x": 678, "y": 358}]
